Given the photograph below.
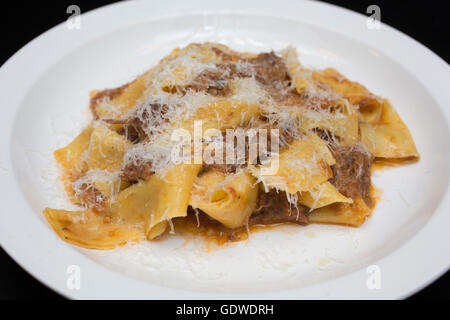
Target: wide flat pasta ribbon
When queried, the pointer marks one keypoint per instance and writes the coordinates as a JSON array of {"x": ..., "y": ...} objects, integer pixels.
[
  {"x": 229, "y": 199},
  {"x": 90, "y": 230},
  {"x": 91, "y": 160},
  {"x": 388, "y": 136},
  {"x": 163, "y": 197},
  {"x": 350, "y": 214},
  {"x": 321, "y": 196},
  {"x": 301, "y": 166}
]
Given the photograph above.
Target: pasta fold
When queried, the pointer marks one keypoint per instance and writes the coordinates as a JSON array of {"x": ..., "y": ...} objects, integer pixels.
[
  {"x": 228, "y": 199},
  {"x": 72, "y": 157},
  {"x": 222, "y": 114},
  {"x": 91, "y": 163},
  {"x": 353, "y": 91},
  {"x": 341, "y": 122},
  {"x": 300, "y": 76},
  {"x": 321, "y": 196},
  {"x": 90, "y": 230},
  {"x": 163, "y": 197},
  {"x": 350, "y": 214},
  {"x": 382, "y": 130},
  {"x": 106, "y": 149},
  {"x": 388, "y": 137},
  {"x": 114, "y": 103},
  {"x": 302, "y": 166}
]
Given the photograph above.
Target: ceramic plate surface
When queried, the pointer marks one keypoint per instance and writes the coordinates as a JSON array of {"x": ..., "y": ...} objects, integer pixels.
[{"x": 44, "y": 105}]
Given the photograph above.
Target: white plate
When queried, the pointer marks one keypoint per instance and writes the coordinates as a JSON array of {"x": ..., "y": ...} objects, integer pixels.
[{"x": 44, "y": 104}]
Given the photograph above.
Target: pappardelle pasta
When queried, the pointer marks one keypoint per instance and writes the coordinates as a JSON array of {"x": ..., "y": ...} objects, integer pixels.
[{"x": 219, "y": 141}]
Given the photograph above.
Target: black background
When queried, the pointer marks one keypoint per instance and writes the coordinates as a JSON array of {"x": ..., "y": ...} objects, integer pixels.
[{"x": 425, "y": 21}]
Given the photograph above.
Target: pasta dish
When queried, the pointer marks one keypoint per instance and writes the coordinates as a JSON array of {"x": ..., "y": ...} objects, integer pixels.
[{"x": 215, "y": 141}]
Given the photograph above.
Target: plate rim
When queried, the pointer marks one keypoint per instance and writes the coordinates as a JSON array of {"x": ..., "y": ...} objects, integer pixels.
[{"x": 326, "y": 289}]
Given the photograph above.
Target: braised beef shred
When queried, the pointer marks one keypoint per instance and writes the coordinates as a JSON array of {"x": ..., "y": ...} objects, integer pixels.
[
  {"x": 326, "y": 135},
  {"x": 133, "y": 133},
  {"x": 274, "y": 207},
  {"x": 134, "y": 126},
  {"x": 137, "y": 171},
  {"x": 91, "y": 197},
  {"x": 351, "y": 173},
  {"x": 215, "y": 81},
  {"x": 222, "y": 167},
  {"x": 269, "y": 70},
  {"x": 212, "y": 82},
  {"x": 105, "y": 94},
  {"x": 241, "y": 157},
  {"x": 223, "y": 55},
  {"x": 252, "y": 147},
  {"x": 272, "y": 73}
]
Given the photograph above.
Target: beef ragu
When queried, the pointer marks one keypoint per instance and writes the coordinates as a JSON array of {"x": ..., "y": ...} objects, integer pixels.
[
  {"x": 135, "y": 172},
  {"x": 329, "y": 131},
  {"x": 137, "y": 125},
  {"x": 103, "y": 95},
  {"x": 273, "y": 207},
  {"x": 351, "y": 173},
  {"x": 91, "y": 197}
]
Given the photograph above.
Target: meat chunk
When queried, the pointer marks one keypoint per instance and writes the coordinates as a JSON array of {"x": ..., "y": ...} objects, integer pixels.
[
  {"x": 273, "y": 207},
  {"x": 105, "y": 94},
  {"x": 212, "y": 82},
  {"x": 351, "y": 173},
  {"x": 138, "y": 125},
  {"x": 272, "y": 73},
  {"x": 267, "y": 68},
  {"x": 252, "y": 152},
  {"x": 224, "y": 56},
  {"x": 215, "y": 81},
  {"x": 133, "y": 133},
  {"x": 135, "y": 172},
  {"x": 270, "y": 69},
  {"x": 91, "y": 197}
]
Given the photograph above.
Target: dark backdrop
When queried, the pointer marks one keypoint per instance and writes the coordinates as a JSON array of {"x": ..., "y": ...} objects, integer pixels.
[{"x": 425, "y": 21}]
